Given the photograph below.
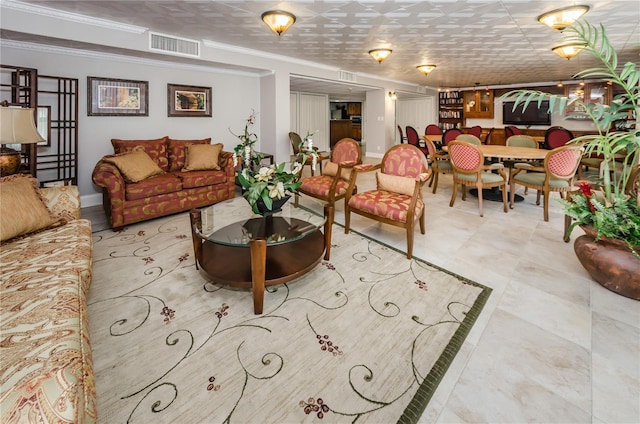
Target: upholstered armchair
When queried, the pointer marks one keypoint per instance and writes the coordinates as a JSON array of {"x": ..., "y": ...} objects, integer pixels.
[
  {"x": 469, "y": 169},
  {"x": 556, "y": 174},
  {"x": 332, "y": 184},
  {"x": 397, "y": 198}
]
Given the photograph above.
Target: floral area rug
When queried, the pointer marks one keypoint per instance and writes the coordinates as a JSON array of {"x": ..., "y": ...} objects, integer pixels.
[{"x": 365, "y": 337}]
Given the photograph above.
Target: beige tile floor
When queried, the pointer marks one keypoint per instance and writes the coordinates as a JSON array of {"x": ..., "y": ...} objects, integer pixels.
[{"x": 551, "y": 345}]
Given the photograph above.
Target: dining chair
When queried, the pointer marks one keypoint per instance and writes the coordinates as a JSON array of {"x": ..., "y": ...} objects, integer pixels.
[
  {"x": 438, "y": 162},
  {"x": 511, "y": 130},
  {"x": 296, "y": 142},
  {"x": 521, "y": 140},
  {"x": 333, "y": 182},
  {"x": 556, "y": 174},
  {"x": 414, "y": 139},
  {"x": 450, "y": 135},
  {"x": 403, "y": 139},
  {"x": 556, "y": 136},
  {"x": 475, "y": 130},
  {"x": 469, "y": 169},
  {"x": 487, "y": 138},
  {"x": 397, "y": 199},
  {"x": 469, "y": 138},
  {"x": 432, "y": 129}
]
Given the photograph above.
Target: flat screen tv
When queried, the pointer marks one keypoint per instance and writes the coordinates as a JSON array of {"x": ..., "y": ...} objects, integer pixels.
[{"x": 532, "y": 115}]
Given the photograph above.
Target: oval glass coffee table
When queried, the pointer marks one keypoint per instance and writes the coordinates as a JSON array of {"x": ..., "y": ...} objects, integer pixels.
[{"x": 239, "y": 249}]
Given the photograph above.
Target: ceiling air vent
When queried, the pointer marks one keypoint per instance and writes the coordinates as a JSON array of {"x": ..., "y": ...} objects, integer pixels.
[
  {"x": 173, "y": 45},
  {"x": 346, "y": 76}
]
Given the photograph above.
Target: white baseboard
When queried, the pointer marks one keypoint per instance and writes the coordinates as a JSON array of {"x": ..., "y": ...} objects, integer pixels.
[
  {"x": 375, "y": 155},
  {"x": 91, "y": 200}
]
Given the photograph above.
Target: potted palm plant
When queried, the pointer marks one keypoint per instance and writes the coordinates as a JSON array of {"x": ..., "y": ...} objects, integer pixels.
[{"x": 608, "y": 209}]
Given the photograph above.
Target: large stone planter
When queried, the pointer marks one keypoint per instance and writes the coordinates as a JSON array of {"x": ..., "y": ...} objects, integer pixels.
[{"x": 610, "y": 263}]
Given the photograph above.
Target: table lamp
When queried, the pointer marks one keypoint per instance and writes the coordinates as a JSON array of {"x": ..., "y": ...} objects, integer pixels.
[{"x": 17, "y": 126}]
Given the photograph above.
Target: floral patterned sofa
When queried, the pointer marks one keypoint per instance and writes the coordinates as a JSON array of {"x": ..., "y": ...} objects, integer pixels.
[
  {"x": 46, "y": 372},
  {"x": 147, "y": 179}
]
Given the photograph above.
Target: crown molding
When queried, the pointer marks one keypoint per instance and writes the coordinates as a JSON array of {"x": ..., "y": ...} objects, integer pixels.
[
  {"x": 45, "y": 48},
  {"x": 69, "y": 16},
  {"x": 265, "y": 55}
]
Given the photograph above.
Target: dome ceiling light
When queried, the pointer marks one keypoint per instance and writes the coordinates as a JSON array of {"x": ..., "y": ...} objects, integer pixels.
[
  {"x": 568, "y": 51},
  {"x": 279, "y": 21},
  {"x": 380, "y": 54},
  {"x": 559, "y": 19},
  {"x": 426, "y": 69}
]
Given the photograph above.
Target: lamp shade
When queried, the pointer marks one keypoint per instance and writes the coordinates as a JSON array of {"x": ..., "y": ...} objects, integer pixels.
[
  {"x": 561, "y": 18},
  {"x": 279, "y": 21},
  {"x": 426, "y": 69},
  {"x": 17, "y": 126},
  {"x": 380, "y": 54},
  {"x": 568, "y": 51}
]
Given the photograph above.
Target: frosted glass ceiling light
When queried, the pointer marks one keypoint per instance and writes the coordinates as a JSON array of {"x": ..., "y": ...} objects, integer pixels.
[
  {"x": 426, "y": 69},
  {"x": 380, "y": 54},
  {"x": 561, "y": 18},
  {"x": 278, "y": 20},
  {"x": 568, "y": 51}
]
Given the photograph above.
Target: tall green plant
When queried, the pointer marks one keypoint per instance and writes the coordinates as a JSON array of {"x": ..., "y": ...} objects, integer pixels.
[{"x": 609, "y": 144}]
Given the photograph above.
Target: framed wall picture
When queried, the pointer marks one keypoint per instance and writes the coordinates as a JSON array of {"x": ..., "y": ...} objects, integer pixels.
[
  {"x": 117, "y": 97},
  {"x": 188, "y": 100}
]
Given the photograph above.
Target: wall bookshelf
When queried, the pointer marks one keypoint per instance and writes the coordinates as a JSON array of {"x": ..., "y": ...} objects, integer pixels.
[{"x": 450, "y": 111}]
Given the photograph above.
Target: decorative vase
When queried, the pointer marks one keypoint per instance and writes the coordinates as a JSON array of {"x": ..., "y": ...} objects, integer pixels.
[
  {"x": 609, "y": 262},
  {"x": 276, "y": 206}
]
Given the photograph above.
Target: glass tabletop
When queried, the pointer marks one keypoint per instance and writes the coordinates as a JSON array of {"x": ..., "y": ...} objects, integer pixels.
[{"x": 233, "y": 223}]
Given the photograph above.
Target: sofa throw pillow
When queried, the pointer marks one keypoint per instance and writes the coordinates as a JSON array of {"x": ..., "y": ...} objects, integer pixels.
[
  {"x": 22, "y": 210},
  {"x": 156, "y": 149},
  {"x": 134, "y": 166},
  {"x": 201, "y": 157},
  {"x": 395, "y": 183},
  {"x": 178, "y": 152},
  {"x": 331, "y": 169}
]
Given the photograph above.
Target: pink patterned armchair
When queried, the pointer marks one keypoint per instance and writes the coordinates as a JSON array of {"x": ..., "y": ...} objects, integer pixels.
[
  {"x": 333, "y": 183},
  {"x": 556, "y": 174},
  {"x": 397, "y": 199},
  {"x": 469, "y": 170}
]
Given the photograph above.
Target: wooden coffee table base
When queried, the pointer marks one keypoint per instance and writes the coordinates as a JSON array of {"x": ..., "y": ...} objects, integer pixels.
[{"x": 259, "y": 266}]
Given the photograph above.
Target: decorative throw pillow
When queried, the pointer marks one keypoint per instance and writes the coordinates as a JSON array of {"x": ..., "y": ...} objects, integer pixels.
[
  {"x": 156, "y": 149},
  {"x": 395, "y": 183},
  {"x": 178, "y": 152},
  {"x": 22, "y": 210},
  {"x": 331, "y": 169},
  {"x": 201, "y": 157},
  {"x": 135, "y": 166}
]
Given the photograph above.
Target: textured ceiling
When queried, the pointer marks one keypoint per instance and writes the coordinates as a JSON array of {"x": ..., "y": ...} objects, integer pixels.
[{"x": 472, "y": 42}]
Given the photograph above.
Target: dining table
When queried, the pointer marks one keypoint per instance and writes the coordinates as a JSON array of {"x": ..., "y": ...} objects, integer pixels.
[{"x": 502, "y": 153}]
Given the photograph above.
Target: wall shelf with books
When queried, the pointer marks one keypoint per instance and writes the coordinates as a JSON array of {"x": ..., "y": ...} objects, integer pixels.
[{"x": 450, "y": 111}]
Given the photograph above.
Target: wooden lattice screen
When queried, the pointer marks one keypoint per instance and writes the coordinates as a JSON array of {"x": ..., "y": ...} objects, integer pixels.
[{"x": 58, "y": 104}]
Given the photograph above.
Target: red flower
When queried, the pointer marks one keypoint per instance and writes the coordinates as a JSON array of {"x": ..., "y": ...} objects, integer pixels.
[{"x": 585, "y": 188}]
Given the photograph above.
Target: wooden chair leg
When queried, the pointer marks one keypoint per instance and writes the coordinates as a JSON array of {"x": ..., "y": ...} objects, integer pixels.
[
  {"x": 347, "y": 218},
  {"x": 512, "y": 192},
  {"x": 480, "y": 199},
  {"x": 435, "y": 182},
  {"x": 409, "y": 241},
  {"x": 538, "y": 198},
  {"x": 422, "y": 226},
  {"x": 454, "y": 194},
  {"x": 546, "y": 205},
  {"x": 504, "y": 197}
]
